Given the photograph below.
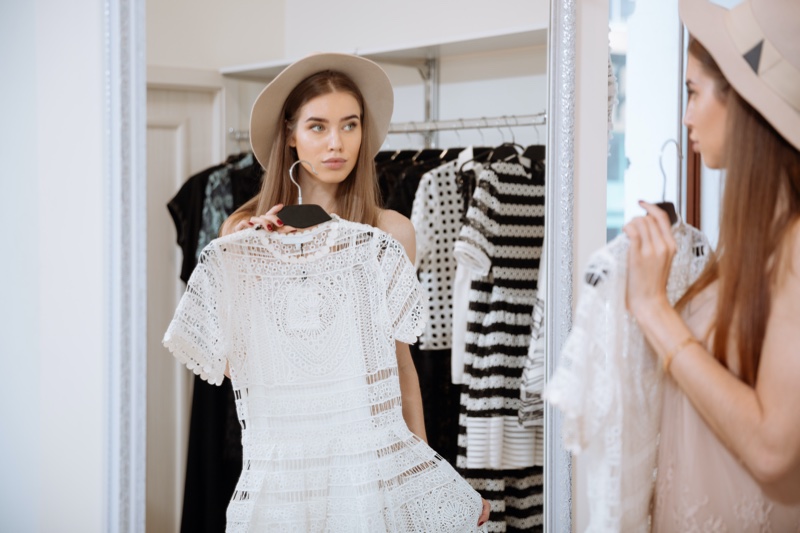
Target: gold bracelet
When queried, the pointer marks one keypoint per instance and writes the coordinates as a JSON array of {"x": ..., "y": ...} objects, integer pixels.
[{"x": 675, "y": 351}]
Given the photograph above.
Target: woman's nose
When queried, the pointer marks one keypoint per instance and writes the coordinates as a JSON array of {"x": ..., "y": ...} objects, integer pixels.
[{"x": 335, "y": 140}]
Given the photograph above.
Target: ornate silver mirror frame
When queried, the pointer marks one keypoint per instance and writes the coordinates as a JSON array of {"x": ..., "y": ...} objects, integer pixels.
[
  {"x": 125, "y": 111},
  {"x": 558, "y": 240}
]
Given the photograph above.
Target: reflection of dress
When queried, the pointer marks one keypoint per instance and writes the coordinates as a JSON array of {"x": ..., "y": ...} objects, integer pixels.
[
  {"x": 307, "y": 323},
  {"x": 700, "y": 486}
]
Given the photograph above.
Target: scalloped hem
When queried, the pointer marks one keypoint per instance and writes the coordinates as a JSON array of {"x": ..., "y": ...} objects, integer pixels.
[{"x": 177, "y": 348}]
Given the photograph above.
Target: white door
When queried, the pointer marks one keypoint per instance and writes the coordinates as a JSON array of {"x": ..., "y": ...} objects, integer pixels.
[{"x": 183, "y": 138}]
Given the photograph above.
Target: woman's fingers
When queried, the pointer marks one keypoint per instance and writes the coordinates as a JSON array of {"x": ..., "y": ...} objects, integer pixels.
[
  {"x": 662, "y": 222},
  {"x": 485, "y": 512},
  {"x": 271, "y": 222},
  {"x": 243, "y": 224}
]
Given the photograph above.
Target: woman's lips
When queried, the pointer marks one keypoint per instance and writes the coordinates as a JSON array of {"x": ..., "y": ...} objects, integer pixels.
[{"x": 334, "y": 164}]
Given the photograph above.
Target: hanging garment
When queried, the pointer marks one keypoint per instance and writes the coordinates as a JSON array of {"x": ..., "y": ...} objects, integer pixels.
[
  {"x": 531, "y": 412},
  {"x": 608, "y": 384},
  {"x": 501, "y": 243},
  {"x": 214, "y": 454},
  {"x": 436, "y": 215},
  {"x": 308, "y": 323},
  {"x": 186, "y": 209},
  {"x": 440, "y": 400},
  {"x": 463, "y": 277}
]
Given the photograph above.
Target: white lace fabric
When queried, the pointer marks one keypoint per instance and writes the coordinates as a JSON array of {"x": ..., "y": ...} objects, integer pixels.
[
  {"x": 308, "y": 324},
  {"x": 608, "y": 385}
]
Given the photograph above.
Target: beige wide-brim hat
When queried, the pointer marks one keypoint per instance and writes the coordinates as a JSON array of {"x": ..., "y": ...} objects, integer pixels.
[
  {"x": 757, "y": 46},
  {"x": 371, "y": 80}
]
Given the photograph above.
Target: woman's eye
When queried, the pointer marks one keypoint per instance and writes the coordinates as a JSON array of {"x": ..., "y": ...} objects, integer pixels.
[
  {"x": 350, "y": 126},
  {"x": 317, "y": 127}
]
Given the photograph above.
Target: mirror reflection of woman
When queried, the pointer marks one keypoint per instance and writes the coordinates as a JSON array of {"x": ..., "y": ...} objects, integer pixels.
[
  {"x": 334, "y": 438},
  {"x": 729, "y": 452}
]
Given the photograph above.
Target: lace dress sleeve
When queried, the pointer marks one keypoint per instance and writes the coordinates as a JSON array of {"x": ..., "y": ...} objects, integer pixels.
[
  {"x": 196, "y": 335},
  {"x": 404, "y": 297}
]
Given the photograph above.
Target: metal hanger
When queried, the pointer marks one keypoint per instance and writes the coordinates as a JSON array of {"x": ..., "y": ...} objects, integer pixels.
[
  {"x": 669, "y": 207},
  {"x": 302, "y": 215}
]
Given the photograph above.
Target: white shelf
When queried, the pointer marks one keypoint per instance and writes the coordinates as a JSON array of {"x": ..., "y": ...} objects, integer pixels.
[{"x": 413, "y": 55}]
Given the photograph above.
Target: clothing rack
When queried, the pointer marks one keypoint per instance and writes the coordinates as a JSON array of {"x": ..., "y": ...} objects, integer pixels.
[
  {"x": 430, "y": 126},
  {"x": 505, "y": 121}
]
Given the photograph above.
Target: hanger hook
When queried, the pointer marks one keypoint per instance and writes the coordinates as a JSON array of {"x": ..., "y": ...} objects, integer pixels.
[
  {"x": 511, "y": 131},
  {"x": 291, "y": 177},
  {"x": 502, "y": 135},
  {"x": 661, "y": 165},
  {"x": 480, "y": 132},
  {"x": 458, "y": 135}
]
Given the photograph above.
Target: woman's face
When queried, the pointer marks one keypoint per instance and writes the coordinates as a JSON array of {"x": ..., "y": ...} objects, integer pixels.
[
  {"x": 328, "y": 135},
  {"x": 705, "y": 115}
]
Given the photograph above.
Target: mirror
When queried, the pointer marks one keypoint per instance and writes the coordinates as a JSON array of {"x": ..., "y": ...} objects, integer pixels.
[{"x": 227, "y": 100}]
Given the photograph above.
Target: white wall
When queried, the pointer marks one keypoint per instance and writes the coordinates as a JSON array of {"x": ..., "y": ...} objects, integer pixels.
[
  {"x": 20, "y": 403},
  {"x": 492, "y": 84},
  {"x": 53, "y": 304},
  {"x": 315, "y": 25},
  {"x": 208, "y": 34},
  {"x": 652, "y": 112}
]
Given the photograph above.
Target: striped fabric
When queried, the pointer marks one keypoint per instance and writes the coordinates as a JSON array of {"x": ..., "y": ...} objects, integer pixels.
[{"x": 501, "y": 243}]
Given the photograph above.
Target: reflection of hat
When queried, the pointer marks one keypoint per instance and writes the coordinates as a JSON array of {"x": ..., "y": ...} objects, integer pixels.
[
  {"x": 757, "y": 46},
  {"x": 371, "y": 80}
]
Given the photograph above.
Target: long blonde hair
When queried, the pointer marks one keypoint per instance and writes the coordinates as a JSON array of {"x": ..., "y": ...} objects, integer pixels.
[
  {"x": 762, "y": 177},
  {"x": 358, "y": 196}
]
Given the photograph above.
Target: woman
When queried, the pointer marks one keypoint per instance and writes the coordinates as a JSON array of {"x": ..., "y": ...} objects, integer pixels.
[
  {"x": 729, "y": 456},
  {"x": 309, "y": 324}
]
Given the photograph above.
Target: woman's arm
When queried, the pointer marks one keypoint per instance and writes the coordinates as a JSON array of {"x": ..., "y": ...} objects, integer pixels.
[
  {"x": 401, "y": 229},
  {"x": 761, "y": 425},
  {"x": 410, "y": 392}
]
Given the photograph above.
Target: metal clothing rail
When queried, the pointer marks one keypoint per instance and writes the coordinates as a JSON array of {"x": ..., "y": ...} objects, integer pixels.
[
  {"x": 430, "y": 126},
  {"x": 506, "y": 121}
]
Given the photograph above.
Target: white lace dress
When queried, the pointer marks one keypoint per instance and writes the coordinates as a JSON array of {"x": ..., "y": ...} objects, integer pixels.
[{"x": 308, "y": 324}]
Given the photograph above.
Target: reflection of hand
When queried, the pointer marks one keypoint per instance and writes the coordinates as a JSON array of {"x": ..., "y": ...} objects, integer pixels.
[
  {"x": 649, "y": 260},
  {"x": 269, "y": 221},
  {"x": 484, "y": 513}
]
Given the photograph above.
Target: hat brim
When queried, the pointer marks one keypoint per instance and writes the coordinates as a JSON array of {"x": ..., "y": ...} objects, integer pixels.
[
  {"x": 372, "y": 81},
  {"x": 707, "y": 23}
]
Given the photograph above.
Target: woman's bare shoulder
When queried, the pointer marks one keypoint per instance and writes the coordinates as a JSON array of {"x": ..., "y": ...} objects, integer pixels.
[{"x": 399, "y": 227}]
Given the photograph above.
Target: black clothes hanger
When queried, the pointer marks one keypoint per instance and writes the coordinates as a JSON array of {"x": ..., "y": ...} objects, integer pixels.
[
  {"x": 427, "y": 154},
  {"x": 505, "y": 151},
  {"x": 480, "y": 154},
  {"x": 535, "y": 152},
  {"x": 384, "y": 155},
  {"x": 300, "y": 215},
  {"x": 449, "y": 154},
  {"x": 669, "y": 207}
]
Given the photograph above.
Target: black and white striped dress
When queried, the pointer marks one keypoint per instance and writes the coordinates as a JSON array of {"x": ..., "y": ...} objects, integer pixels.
[{"x": 502, "y": 244}]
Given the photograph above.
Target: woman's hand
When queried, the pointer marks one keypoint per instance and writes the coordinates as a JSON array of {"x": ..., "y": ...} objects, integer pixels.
[
  {"x": 649, "y": 260},
  {"x": 269, "y": 221},
  {"x": 487, "y": 507}
]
